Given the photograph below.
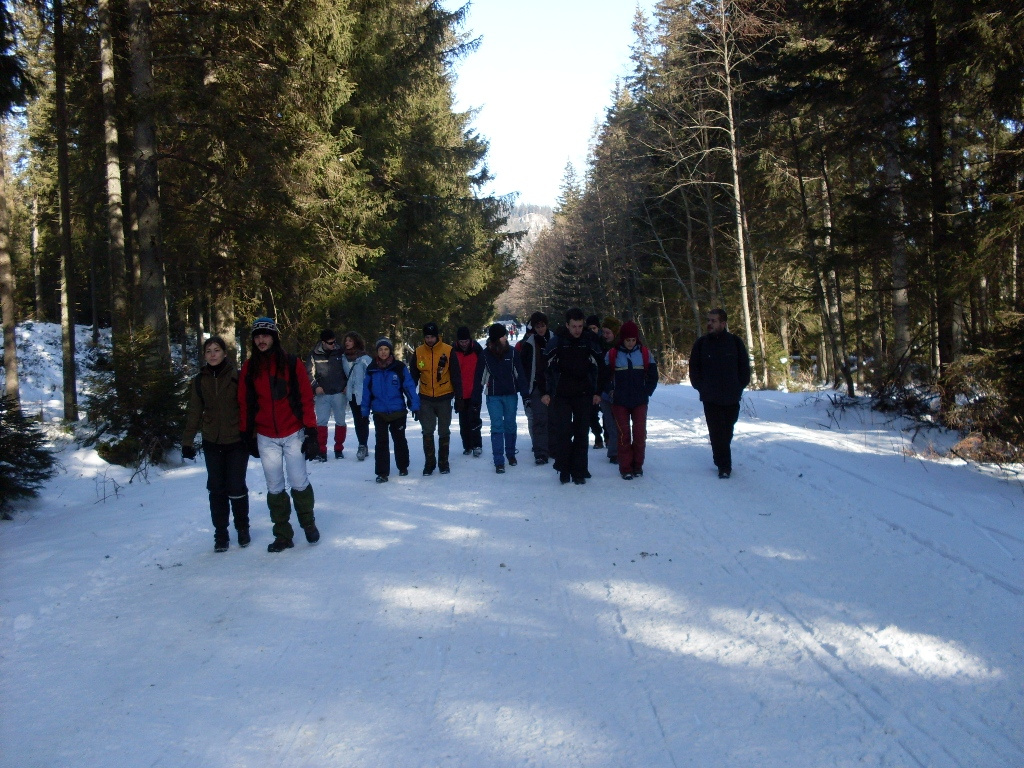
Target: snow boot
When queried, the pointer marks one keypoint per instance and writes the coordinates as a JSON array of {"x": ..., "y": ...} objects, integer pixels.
[
  {"x": 244, "y": 539},
  {"x": 339, "y": 441},
  {"x": 280, "y": 512},
  {"x": 240, "y": 511},
  {"x": 477, "y": 452},
  {"x": 280, "y": 545},
  {"x": 221, "y": 542},
  {"x": 321, "y": 440},
  {"x": 430, "y": 458},
  {"x": 362, "y": 452},
  {"x": 304, "y": 509},
  {"x": 443, "y": 444}
]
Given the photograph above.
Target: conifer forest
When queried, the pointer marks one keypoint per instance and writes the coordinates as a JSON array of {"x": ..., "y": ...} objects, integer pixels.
[{"x": 845, "y": 178}]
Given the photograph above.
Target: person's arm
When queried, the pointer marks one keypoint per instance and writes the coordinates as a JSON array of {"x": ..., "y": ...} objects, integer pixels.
[
  {"x": 652, "y": 374},
  {"x": 410, "y": 390},
  {"x": 695, "y": 369},
  {"x": 455, "y": 375},
  {"x": 194, "y": 416},
  {"x": 367, "y": 393},
  {"x": 743, "y": 364}
]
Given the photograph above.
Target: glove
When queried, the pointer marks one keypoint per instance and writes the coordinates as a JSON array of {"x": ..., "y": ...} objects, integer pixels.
[
  {"x": 415, "y": 415},
  {"x": 188, "y": 452},
  {"x": 527, "y": 404},
  {"x": 249, "y": 441},
  {"x": 310, "y": 447}
]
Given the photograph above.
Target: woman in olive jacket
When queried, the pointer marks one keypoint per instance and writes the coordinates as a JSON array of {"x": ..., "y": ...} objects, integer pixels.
[{"x": 213, "y": 407}]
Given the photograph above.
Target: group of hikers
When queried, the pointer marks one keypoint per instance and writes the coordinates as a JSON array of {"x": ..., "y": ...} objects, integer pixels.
[{"x": 588, "y": 375}]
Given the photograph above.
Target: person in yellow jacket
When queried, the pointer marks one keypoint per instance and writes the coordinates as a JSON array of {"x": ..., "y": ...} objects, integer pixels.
[{"x": 437, "y": 374}]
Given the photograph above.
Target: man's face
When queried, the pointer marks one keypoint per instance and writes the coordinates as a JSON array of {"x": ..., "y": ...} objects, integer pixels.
[
  {"x": 464, "y": 344},
  {"x": 263, "y": 341},
  {"x": 330, "y": 344},
  {"x": 540, "y": 328},
  {"x": 383, "y": 353},
  {"x": 608, "y": 334},
  {"x": 430, "y": 340},
  {"x": 715, "y": 323},
  {"x": 575, "y": 328}
]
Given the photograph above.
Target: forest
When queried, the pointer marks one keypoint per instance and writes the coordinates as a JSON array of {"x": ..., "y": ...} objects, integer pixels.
[
  {"x": 843, "y": 177},
  {"x": 178, "y": 168}
]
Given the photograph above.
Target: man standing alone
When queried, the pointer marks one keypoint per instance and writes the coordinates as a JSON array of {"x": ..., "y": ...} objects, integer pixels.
[{"x": 719, "y": 371}]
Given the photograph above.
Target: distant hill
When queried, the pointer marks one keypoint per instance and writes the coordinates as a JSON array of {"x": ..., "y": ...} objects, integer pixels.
[{"x": 531, "y": 219}]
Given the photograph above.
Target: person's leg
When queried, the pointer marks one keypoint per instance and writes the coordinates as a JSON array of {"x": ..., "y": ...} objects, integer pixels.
[
  {"x": 272, "y": 456},
  {"x": 541, "y": 427},
  {"x": 625, "y": 446},
  {"x": 236, "y": 462},
  {"x": 510, "y": 407},
  {"x": 397, "y": 429},
  {"x": 496, "y": 414},
  {"x": 428, "y": 423},
  {"x": 216, "y": 483},
  {"x": 581, "y": 408},
  {"x": 476, "y": 426},
  {"x": 611, "y": 431},
  {"x": 382, "y": 450},
  {"x": 465, "y": 420},
  {"x": 595, "y": 425},
  {"x": 721, "y": 420},
  {"x": 638, "y": 416},
  {"x": 340, "y": 430},
  {"x": 322, "y": 409},
  {"x": 559, "y": 425},
  {"x": 362, "y": 427},
  {"x": 444, "y": 433}
]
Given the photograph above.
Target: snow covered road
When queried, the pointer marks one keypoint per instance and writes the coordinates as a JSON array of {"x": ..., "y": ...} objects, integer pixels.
[{"x": 838, "y": 602}]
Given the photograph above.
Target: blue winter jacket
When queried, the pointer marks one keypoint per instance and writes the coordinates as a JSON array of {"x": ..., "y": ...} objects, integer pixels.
[
  {"x": 632, "y": 385},
  {"x": 504, "y": 375},
  {"x": 386, "y": 390}
]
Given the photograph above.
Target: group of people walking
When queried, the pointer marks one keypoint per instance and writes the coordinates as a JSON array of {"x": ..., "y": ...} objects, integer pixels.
[{"x": 586, "y": 375}]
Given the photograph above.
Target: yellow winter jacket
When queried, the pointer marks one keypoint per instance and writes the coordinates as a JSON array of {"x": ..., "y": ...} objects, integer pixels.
[{"x": 433, "y": 370}]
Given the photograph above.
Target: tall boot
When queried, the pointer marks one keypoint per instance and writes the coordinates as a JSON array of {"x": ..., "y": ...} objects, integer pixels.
[
  {"x": 429, "y": 458},
  {"x": 442, "y": 454},
  {"x": 219, "y": 517},
  {"x": 339, "y": 440},
  {"x": 280, "y": 512},
  {"x": 304, "y": 511},
  {"x": 321, "y": 439},
  {"x": 240, "y": 511}
]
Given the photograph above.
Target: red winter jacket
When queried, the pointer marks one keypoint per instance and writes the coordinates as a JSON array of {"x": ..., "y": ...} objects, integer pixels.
[{"x": 279, "y": 412}]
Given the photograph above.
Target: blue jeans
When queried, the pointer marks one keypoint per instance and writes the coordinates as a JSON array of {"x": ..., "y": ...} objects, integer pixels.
[
  {"x": 502, "y": 411},
  {"x": 325, "y": 405}
]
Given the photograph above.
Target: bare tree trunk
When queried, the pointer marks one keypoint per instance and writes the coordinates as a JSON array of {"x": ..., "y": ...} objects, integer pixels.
[
  {"x": 115, "y": 206},
  {"x": 10, "y": 320},
  {"x": 37, "y": 268},
  {"x": 67, "y": 300},
  {"x": 1015, "y": 270},
  {"x": 900, "y": 351},
  {"x": 152, "y": 309}
]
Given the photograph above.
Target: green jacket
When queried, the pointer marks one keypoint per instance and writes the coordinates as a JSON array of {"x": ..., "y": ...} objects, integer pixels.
[{"x": 213, "y": 406}]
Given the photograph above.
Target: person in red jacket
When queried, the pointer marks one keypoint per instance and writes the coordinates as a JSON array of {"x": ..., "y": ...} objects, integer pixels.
[
  {"x": 469, "y": 391},
  {"x": 278, "y": 424}
]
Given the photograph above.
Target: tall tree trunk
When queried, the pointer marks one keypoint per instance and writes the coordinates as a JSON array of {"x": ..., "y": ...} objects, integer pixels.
[
  {"x": 10, "y": 320},
  {"x": 115, "y": 206},
  {"x": 152, "y": 305},
  {"x": 37, "y": 267},
  {"x": 67, "y": 299}
]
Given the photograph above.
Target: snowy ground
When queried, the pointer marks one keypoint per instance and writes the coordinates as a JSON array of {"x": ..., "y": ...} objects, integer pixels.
[{"x": 839, "y": 602}]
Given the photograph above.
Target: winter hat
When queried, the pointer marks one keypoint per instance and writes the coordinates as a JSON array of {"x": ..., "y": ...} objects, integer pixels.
[
  {"x": 327, "y": 335},
  {"x": 430, "y": 329},
  {"x": 265, "y": 325},
  {"x": 629, "y": 330},
  {"x": 496, "y": 331},
  {"x": 593, "y": 320},
  {"x": 462, "y": 333},
  {"x": 384, "y": 341},
  {"x": 612, "y": 324},
  {"x": 538, "y": 317}
]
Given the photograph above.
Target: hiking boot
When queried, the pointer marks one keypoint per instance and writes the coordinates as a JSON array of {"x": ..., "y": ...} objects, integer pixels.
[
  {"x": 322, "y": 458},
  {"x": 477, "y": 452},
  {"x": 428, "y": 470},
  {"x": 403, "y": 472},
  {"x": 221, "y": 545},
  {"x": 244, "y": 538},
  {"x": 540, "y": 460},
  {"x": 445, "y": 468},
  {"x": 467, "y": 451},
  {"x": 598, "y": 443},
  {"x": 500, "y": 469},
  {"x": 362, "y": 452},
  {"x": 512, "y": 461},
  {"x": 613, "y": 459},
  {"x": 724, "y": 474},
  {"x": 312, "y": 533},
  {"x": 638, "y": 473},
  {"x": 563, "y": 477},
  {"x": 339, "y": 454},
  {"x": 382, "y": 478},
  {"x": 626, "y": 475},
  {"x": 280, "y": 545},
  {"x": 579, "y": 481}
]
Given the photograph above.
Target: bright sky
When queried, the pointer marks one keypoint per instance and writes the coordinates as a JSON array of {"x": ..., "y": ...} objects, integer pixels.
[{"x": 541, "y": 80}]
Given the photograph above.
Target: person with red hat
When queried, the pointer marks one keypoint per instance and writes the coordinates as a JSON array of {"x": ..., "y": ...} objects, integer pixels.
[{"x": 634, "y": 376}]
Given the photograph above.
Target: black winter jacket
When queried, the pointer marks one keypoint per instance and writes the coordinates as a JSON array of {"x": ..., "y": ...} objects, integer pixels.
[
  {"x": 327, "y": 369},
  {"x": 575, "y": 366},
  {"x": 719, "y": 368}
]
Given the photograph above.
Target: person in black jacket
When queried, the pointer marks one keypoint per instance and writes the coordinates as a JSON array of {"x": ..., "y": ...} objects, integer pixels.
[
  {"x": 531, "y": 353},
  {"x": 326, "y": 366},
  {"x": 575, "y": 374},
  {"x": 719, "y": 371}
]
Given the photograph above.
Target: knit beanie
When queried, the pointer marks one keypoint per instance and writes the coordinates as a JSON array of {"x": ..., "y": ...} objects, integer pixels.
[
  {"x": 462, "y": 333},
  {"x": 611, "y": 324},
  {"x": 629, "y": 330},
  {"x": 430, "y": 329},
  {"x": 593, "y": 320},
  {"x": 496, "y": 331},
  {"x": 384, "y": 341},
  {"x": 265, "y": 325}
]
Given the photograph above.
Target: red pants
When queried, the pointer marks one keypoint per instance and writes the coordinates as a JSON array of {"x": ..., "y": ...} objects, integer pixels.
[{"x": 632, "y": 438}]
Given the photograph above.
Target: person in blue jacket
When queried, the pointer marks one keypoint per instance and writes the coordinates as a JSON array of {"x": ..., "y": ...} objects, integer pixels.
[
  {"x": 504, "y": 382},
  {"x": 634, "y": 377},
  {"x": 387, "y": 387}
]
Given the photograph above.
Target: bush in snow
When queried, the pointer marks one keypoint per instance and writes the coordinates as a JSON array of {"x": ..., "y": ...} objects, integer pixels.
[
  {"x": 136, "y": 411},
  {"x": 25, "y": 462},
  {"x": 989, "y": 398}
]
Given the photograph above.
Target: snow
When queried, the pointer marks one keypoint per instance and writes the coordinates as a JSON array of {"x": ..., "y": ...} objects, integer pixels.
[{"x": 846, "y": 598}]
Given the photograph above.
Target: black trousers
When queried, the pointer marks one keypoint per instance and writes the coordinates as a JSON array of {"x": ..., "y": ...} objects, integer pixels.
[
  {"x": 393, "y": 424},
  {"x": 721, "y": 420},
  {"x": 225, "y": 480},
  {"x": 362, "y": 423},
  {"x": 569, "y": 430},
  {"x": 470, "y": 425}
]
